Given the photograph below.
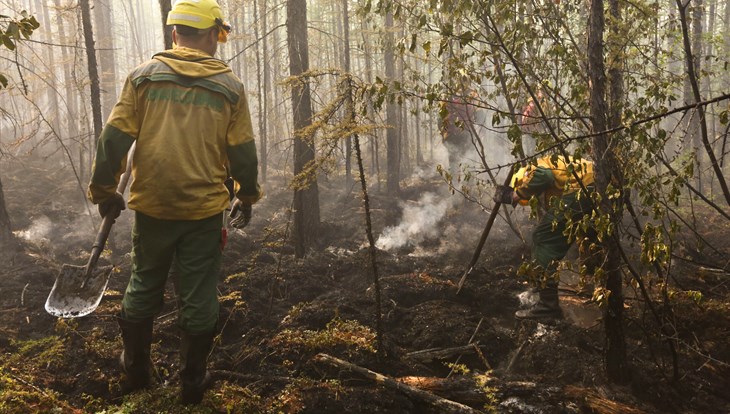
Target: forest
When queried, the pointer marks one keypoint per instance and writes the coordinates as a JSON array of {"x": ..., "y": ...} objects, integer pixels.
[{"x": 381, "y": 271}]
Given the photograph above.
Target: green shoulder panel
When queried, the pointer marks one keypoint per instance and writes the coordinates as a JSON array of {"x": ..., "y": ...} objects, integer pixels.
[{"x": 226, "y": 84}]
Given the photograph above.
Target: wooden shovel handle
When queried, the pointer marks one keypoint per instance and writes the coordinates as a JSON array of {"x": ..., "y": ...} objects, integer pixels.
[
  {"x": 108, "y": 221},
  {"x": 483, "y": 239}
]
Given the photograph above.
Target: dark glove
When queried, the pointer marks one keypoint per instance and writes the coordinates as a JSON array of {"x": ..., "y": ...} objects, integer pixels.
[
  {"x": 503, "y": 194},
  {"x": 112, "y": 205},
  {"x": 242, "y": 220}
]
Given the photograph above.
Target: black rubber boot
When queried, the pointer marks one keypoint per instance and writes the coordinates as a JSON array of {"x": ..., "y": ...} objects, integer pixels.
[
  {"x": 135, "y": 359},
  {"x": 194, "y": 350},
  {"x": 547, "y": 307}
]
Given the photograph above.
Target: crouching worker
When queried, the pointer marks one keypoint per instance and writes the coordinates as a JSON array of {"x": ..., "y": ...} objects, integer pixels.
[
  {"x": 552, "y": 180},
  {"x": 188, "y": 114}
]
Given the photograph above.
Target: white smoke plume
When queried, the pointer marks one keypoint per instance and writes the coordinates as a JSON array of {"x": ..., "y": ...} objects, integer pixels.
[
  {"x": 38, "y": 232},
  {"x": 420, "y": 222}
]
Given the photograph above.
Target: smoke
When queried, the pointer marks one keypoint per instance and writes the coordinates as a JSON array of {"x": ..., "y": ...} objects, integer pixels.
[
  {"x": 38, "y": 232},
  {"x": 420, "y": 222}
]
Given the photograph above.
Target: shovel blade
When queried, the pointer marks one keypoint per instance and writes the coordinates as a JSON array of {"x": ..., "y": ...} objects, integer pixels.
[{"x": 69, "y": 300}]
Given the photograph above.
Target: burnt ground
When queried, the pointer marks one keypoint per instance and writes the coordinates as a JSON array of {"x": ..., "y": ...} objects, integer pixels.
[{"x": 278, "y": 313}]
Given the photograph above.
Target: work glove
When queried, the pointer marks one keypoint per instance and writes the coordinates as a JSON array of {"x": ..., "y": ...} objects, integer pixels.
[
  {"x": 504, "y": 195},
  {"x": 240, "y": 221},
  {"x": 112, "y": 205}
]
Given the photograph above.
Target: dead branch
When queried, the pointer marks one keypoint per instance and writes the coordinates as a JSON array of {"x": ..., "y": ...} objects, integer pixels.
[
  {"x": 431, "y": 354},
  {"x": 474, "y": 347},
  {"x": 442, "y": 405},
  {"x": 237, "y": 376}
]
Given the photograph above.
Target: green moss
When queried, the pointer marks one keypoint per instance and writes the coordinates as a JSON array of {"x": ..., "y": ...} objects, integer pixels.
[
  {"x": 40, "y": 353},
  {"x": 339, "y": 333}
]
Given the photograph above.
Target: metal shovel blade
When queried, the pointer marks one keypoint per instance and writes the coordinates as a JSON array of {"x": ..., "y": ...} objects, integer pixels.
[{"x": 71, "y": 297}]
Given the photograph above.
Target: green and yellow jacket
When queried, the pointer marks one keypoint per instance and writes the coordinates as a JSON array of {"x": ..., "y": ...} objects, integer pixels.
[
  {"x": 551, "y": 177},
  {"x": 189, "y": 116}
]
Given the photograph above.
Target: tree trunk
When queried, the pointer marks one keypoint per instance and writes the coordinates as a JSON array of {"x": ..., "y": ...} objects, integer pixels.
[
  {"x": 605, "y": 164},
  {"x": 103, "y": 20},
  {"x": 692, "y": 75},
  {"x": 346, "y": 60},
  {"x": 264, "y": 159},
  {"x": 7, "y": 240},
  {"x": 93, "y": 72},
  {"x": 259, "y": 82},
  {"x": 391, "y": 117},
  {"x": 368, "y": 78},
  {"x": 306, "y": 193},
  {"x": 53, "y": 79},
  {"x": 71, "y": 116},
  {"x": 165, "y": 7}
]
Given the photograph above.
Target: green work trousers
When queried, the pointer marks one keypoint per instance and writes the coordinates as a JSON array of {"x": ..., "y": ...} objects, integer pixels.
[
  {"x": 549, "y": 243},
  {"x": 195, "y": 246}
]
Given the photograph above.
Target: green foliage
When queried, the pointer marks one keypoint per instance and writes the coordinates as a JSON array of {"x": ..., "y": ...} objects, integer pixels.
[{"x": 12, "y": 31}]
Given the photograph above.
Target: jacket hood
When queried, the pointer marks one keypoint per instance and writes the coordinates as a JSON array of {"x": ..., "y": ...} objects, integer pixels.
[{"x": 192, "y": 62}]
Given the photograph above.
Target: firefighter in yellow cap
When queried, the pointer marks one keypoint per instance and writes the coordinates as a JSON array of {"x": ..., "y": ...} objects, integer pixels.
[
  {"x": 551, "y": 179},
  {"x": 188, "y": 114}
]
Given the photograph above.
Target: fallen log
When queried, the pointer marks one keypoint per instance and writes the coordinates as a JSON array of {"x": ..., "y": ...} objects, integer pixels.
[
  {"x": 594, "y": 402},
  {"x": 442, "y": 405},
  {"x": 462, "y": 389}
]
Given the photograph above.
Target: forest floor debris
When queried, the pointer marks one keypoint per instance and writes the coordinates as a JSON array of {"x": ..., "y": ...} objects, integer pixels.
[{"x": 279, "y": 313}]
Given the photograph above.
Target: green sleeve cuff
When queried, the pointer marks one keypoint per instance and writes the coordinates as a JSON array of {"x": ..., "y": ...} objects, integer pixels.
[
  {"x": 539, "y": 181},
  {"x": 244, "y": 169}
]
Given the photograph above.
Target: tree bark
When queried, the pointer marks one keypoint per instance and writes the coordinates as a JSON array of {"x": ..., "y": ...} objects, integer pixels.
[
  {"x": 392, "y": 138},
  {"x": 7, "y": 240},
  {"x": 260, "y": 83},
  {"x": 53, "y": 79},
  {"x": 93, "y": 69},
  {"x": 264, "y": 139},
  {"x": 604, "y": 164},
  {"x": 103, "y": 20},
  {"x": 306, "y": 193},
  {"x": 346, "y": 61},
  {"x": 165, "y": 7}
]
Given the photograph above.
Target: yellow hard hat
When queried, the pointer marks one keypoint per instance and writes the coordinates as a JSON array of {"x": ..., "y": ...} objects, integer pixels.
[{"x": 200, "y": 14}]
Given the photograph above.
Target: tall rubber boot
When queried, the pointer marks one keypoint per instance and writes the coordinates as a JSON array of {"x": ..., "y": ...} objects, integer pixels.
[
  {"x": 135, "y": 359},
  {"x": 547, "y": 307},
  {"x": 194, "y": 350}
]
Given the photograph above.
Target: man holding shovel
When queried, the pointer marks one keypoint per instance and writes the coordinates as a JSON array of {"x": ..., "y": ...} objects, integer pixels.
[
  {"x": 555, "y": 181},
  {"x": 188, "y": 115}
]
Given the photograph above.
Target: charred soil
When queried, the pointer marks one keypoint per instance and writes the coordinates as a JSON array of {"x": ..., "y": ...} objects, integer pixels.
[{"x": 280, "y": 313}]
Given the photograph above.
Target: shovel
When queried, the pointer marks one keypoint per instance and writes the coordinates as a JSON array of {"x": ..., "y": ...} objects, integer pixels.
[
  {"x": 483, "y": 239},
  {"x": 78, "y": 289}
]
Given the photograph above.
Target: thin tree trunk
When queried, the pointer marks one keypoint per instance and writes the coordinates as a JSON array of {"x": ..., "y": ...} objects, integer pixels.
[
  {"x": 53, "y": 79},
  {"x": 615, "y": 351},
  {"x": 264, "y": 159},
  {"x": 346, "y": 58},
  {"x": 306, "y": 194},
  {"x": 6, "y": 235},
  {"x": 165, "y": 7},
  {"x": 103, "y": 20},
  {"x": 259, "y": 84},
  {"x": 92, "y": 66},
  {"x": 692, "y": 75},
  {"x": 392, "y": 138},
  {"x": 71, "y": 116},
  {"x": 367, "y": 57}
]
